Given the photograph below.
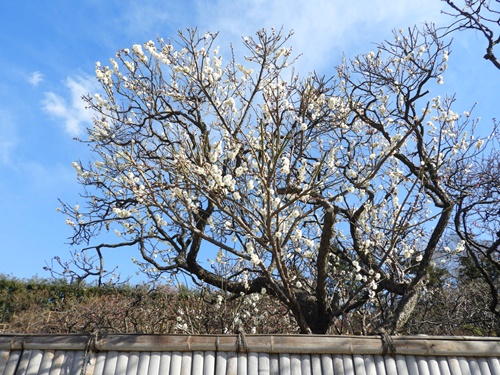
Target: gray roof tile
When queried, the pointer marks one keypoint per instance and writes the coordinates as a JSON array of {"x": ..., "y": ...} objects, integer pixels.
[{"x": 212, "y": 355}]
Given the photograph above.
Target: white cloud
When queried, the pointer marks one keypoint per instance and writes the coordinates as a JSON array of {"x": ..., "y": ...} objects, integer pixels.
[
  {"x": 141, "y": 21},
  {"x": 8, "y": 137},
  {"x": 35, "y": 78},
  {"x": 322, "y": 28},
  {"x": 72, "y": 108},
  {"x": 48, "y": 176}
]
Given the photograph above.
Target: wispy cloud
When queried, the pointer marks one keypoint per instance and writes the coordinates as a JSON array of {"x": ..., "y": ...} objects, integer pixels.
[
  {"x": 142, "y": 21},
  {"x": 35, "y": 78},
  {"x": 322, "y": 28},
  {"x": 8, "y": 137},
  {"x": 71, "y": 108},
  {"x": 46, "y": 176}
]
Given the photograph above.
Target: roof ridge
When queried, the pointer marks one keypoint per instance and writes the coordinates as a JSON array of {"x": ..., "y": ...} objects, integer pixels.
[{"x": 296, "y": 344}]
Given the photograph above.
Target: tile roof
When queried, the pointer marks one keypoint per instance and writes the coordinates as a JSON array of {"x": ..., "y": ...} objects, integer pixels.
[{"x": 250, "y": 354}]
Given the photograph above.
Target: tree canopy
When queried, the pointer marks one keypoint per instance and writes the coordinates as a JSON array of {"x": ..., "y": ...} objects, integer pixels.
[
  {"x": 482, "y": 16},
  {"x": 329, "y": 194},
  {"x": 477, "y": 215}
]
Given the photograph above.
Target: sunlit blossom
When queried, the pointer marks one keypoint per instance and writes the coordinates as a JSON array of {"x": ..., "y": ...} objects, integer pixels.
[{"x": 278, "y": 179}]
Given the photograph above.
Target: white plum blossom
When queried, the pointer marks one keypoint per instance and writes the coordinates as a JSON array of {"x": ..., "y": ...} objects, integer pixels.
[
  {"x": 285, "y": 168},
  {"x": 137, "y": 49},
  {"x": 351, "y": 173},
  {"x": 122, "y": 213},
  {"x": 70, "y": 222},
  {"x": 288, "y": 184}
]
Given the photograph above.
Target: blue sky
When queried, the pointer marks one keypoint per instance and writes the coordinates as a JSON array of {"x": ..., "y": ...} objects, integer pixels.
[{"x": 49, "y": 49}]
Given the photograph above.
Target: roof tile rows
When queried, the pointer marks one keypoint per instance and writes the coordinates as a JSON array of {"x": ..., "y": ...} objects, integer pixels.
[{"x": 217, "y": 355}]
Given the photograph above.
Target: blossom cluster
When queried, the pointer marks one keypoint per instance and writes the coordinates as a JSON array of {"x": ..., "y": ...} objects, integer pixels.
[{"x": 283, "y": 179}]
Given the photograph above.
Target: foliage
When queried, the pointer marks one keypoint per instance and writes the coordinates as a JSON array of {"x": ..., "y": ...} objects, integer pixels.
[
  {"x": 38, "y": 307},
  {"x": 455, "y": 309},
  {"x": 52, "y": 306},
  {"x": 19, "y": 295},
  {"x": 331, "y": 195}
]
